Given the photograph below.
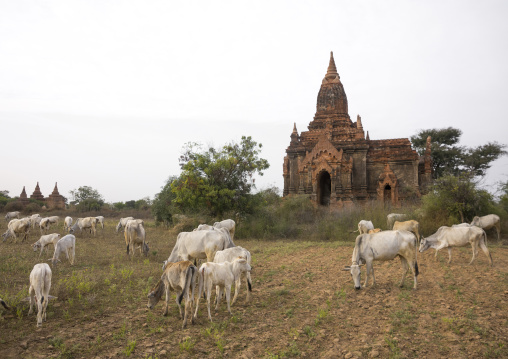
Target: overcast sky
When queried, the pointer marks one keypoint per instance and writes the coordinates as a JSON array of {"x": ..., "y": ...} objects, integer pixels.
[{"x": 106, "y": 93}]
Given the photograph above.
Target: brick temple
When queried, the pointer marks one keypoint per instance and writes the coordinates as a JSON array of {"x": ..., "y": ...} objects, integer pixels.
[
  {"x": 336, "y": 164},
  {"x": 54, "y": 201}
]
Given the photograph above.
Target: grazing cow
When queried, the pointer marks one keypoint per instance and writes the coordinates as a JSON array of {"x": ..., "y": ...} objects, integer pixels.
[
  {"x": 135, "y": 235},
  {"x": 87, "y": 223},
  {"x": 200, "y": 245},
  {"x": 100, "y": 220},
  {"x": 375, "y": 230},
  {"x": 67, "y": 245},
  {"x": 17, "y": 226},
  {"x": 47, "y": 221},
  {"x": 12, "y": 215},
  {"x": 222, "y": 275},
  {"x": 447, "y": 237},
  {"x": 122, "y": 223},
  {"x": 410, "y": 226},
  {"x": 44, "y": 241},
  {"x": 383, "y": 246},
  {"x": 67, "y": 223},
  {"x": 35, "y": 219},
  {"x": 179, "y": 277},
  {"x": 229, "y": 224},
  {"x": 229, "y": 255},
  {"x": 461, "y": 225},
  {"x": 392, "y": 217},
  {"x": 487, "y": 222},
  {"x": 364, "y": 226},
  {"x": 40, "y": 283}
]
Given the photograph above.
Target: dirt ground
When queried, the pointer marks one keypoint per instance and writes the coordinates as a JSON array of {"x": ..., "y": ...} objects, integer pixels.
[{"x": 303, "y": 305}]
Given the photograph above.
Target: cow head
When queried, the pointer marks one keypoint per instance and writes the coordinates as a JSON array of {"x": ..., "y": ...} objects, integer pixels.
[
  {"x": 146, "y": 249},
  {"x": 424, "y": 245},
  {"x": 476, "y": 221},
  {"x": 155, "y": 294},
  {"x": 355, "y": 271},
  {"x": 36, "y": 246}
]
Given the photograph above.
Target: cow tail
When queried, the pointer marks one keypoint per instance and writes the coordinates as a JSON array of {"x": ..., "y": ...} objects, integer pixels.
[
  {"x": 416, "y": 257},
  {"x": 249, "y": 284},
  {"x": 188, "y": 279}
]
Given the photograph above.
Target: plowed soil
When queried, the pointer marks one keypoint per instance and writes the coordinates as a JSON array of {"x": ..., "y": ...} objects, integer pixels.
[{"x": 303, "y": 305}]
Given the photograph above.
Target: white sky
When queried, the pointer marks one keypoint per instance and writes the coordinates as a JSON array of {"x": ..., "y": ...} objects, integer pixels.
[{"x": 106, "y": 93}]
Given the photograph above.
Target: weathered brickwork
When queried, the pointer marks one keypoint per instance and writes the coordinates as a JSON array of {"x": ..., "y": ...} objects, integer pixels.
[
  {"x": 54, "y": 201},
  {"x": 336, "y": 164}
]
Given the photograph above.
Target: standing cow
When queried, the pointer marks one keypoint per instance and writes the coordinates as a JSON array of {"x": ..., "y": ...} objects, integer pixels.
[{"x": 487, "y": 222}]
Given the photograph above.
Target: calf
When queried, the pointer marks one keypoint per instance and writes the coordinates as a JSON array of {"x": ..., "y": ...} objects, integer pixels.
[
  {"x": 448, "y": 237},
  {"x": 365, "y": 226},
  {"x": 222, "y": 275},
  {"x": 229, "y": 255},
  {"x": 135, "y": 235},
  {"x": 67, "y": 223},
  {"x": 45, "y": 241},
  {"x": 12, "y": 215},
  {"x": 40, "y": 283},
  {"x": 67, "y": 245},
  {"x": 487, "y": 222},
  {"x": 179, "y": 277},
  {"x": 383, "y": 246},
  {"x": 410, "y": 226},
  {"x": 100, "y": 220}
]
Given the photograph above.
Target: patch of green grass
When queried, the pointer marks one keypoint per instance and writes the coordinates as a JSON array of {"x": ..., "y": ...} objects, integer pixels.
[
  {"x": 187, "y": 344},
  {"x": 309, "y": 332},
  {"x": 393, "y": 347},
  {"x": 130, "y": 348}
]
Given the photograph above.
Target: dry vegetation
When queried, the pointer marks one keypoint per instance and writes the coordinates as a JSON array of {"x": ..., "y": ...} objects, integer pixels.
[{"x": 303, "y": 305}]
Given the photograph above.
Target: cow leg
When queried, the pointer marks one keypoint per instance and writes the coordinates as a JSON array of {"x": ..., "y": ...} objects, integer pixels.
[
  {"x": 166, "y": 303},
  {"x": 187, "y": 306},
  {"x": 450, "y": 255},
  {"x": 474, "y": 248},
  {"x": 208, "y": 295},
  {"x": 179, "y": 305},
  {"x": 219, "y": 297},
  {"x": 31, "y": 293},
  {"x": 237, "y": 287},
  {"x": 486, "y": 251},
  {"x": 404, "y": 264},
  {"x": 248, "y": 283},
  {"x": 227, "y": 288}
]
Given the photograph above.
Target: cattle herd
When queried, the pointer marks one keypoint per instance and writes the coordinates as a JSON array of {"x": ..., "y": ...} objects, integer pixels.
[{"x": 225, "y": 263}]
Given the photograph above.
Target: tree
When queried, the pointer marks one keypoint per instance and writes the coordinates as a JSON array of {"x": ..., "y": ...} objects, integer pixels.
[
  {"x": 87, "y": 199},
  {"x": 218, "y": 180},
  {"x": 453, "y": 198},
  {"x": 448, "y": 158},
  {"x": 162, "y": 204}
]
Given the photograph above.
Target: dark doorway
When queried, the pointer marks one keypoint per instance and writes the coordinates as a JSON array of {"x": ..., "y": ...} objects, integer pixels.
[
  {"x": 387, "y": 195},
  {"x": 324, "y": 188}
]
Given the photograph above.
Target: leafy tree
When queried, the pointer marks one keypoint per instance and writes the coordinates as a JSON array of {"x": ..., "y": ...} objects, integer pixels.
[
  {"x": 503, "y": 198},
  {"x": 87, "y": 199},
  {"x": 452, "y": 198},
  {"x": 162, "y": 205},
  {"x": 217, "y": 180},
  {"x": 448, "y": 158}
]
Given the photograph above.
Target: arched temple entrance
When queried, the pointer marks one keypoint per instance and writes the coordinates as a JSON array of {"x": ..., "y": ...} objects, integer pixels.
[
  {"x": 387, "y": 194},
  {"x": 324, "y": 188}
]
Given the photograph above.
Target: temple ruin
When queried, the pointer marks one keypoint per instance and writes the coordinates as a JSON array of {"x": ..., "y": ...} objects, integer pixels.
[
  {"x": 335, "y": 164},
  {"x": 54, "y": 201}
]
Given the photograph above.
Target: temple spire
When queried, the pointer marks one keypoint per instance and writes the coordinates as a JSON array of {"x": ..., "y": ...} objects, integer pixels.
[{"x": 332, "y": 69}]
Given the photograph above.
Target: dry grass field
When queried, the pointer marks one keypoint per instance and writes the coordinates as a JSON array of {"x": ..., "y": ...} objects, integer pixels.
[{"x": 303, "y": 305}]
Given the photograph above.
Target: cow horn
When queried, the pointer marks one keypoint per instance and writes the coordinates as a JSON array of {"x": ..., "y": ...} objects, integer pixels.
[{"x": 346, "y": 268}]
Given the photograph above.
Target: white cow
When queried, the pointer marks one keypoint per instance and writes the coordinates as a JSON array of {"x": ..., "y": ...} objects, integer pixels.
[
  {"x": 383, "y": 246},
  {"x": 12, "y": 215},
  {"x": 179, "y": 277},
  {"x": 135, "y": 235},
  {"x": 47, "y": 221},
  {"x": 447, "y": 237},
  {"x": 67, "y": 245},
  {"x": 17, "y": 226},
  {"x": 40, "y": 283},
  {"x": 44, "y": 241},
  {"x": 487, "y": 222},
  {"x": 199, "y": 245},
  {"x": 229, "y": 255},
  {"x": 87, "y": 223},
  {"x": 122, "y": 223},
  {"x": 67, "y": 223},
  {"x": 364, "y": 226},
  {"x": 392, "y": 217},
  {"x": 35, "y": 219},
  {"x": 229, "y": 224},
  {"x": 100, "y": 220},
  {"x": 222, "y": 275},
  {"x": 410, "y": 226}
]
